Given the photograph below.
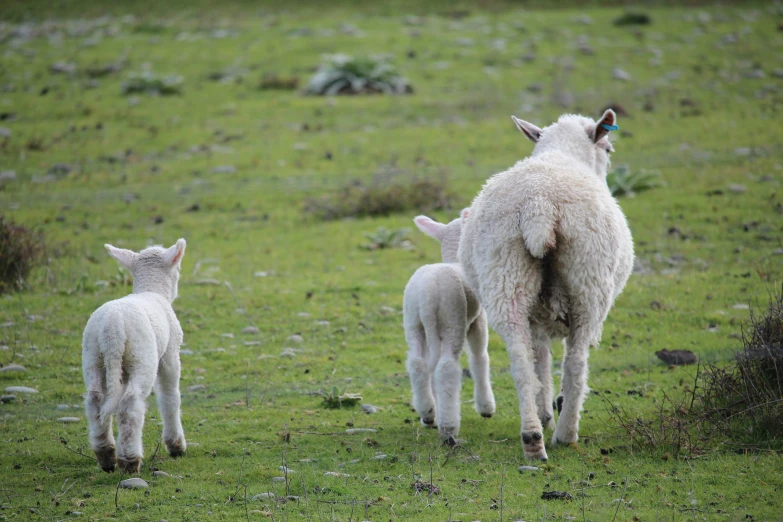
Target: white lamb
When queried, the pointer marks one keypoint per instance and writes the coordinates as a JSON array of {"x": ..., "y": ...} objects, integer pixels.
[
  {"x": 547, "y": 249},
  {"x": 441, "y": 313},
  {"x": 130, "y": 344}
]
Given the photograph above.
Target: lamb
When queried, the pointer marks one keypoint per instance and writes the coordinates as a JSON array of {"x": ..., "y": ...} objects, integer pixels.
[
  {"x": 130, "y": 344},
  {"x": 547, "y": 250},
  {"x": 441, "y": 313}
]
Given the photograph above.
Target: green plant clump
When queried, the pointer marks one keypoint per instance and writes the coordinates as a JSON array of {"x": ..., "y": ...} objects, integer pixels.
[{"x": 344, "y": 74}]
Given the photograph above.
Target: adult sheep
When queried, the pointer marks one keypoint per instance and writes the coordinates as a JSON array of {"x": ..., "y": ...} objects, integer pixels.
[{"x": 548, "y": 250}]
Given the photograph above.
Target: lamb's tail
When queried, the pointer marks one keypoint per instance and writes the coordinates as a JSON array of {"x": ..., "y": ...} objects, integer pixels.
[
  {"x": 538, "y": 223},
  {"x": 113, "y": 348}
]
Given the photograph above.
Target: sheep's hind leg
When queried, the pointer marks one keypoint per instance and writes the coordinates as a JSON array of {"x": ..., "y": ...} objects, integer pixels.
[
  {"x": 101, "y": 436},
  {"x": 130, "y": 417},
  {"x": 478, "y": 358},
  {"x": 573, "y": 386},
  {"x": 448, "y": 385},
  {"x": 544, "y": 404},
  {"x": 169, "y": 402},
  {"x": 419, "y": 373}
]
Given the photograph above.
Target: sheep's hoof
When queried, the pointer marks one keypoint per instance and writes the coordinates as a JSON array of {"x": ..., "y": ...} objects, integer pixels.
[
  {"x": 428, "y": 422},
  {"x": 547, "y": 420},
  {"x": 450, "y": 441},
  {"x": 176, "y": 448},
  {"x": 487, "y": 415},
  {"x": 107, "y": 458},
  {"x": 130, "y": 466},
  {"x": 533, "y": 445}
]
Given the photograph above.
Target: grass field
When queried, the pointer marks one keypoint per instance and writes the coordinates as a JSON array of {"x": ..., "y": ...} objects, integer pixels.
[{"x": 229, "y": 166}]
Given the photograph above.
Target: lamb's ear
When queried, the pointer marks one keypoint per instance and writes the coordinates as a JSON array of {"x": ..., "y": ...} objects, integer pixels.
[
  {"x": 465, "y": 213},
  {"x": 429, "y": 227},
  {"x": 174, "y": 254},
  {"x": 605, "y": 125},
  {"x": 532, "y": 132},
  {"x": 125, "y": 257}
]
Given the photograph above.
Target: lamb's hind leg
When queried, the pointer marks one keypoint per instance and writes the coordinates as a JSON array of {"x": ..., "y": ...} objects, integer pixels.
[
  {"x": 101, "y": 436},
  {"x": 419, "y": 373},
  {"x": 541, "y": 344},
  {"x": 478, "y": 358},
  {"x": 130, "y": 417},
  {"x": 169, "y": 401},
  {"x": 448, "y": 385}
]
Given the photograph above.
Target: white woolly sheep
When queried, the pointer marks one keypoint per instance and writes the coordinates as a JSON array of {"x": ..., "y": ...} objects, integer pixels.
[
  {"x": 547, "y": 249},
  {"x": 441, "y": 313},
  {"x": 130, "y": 344}
]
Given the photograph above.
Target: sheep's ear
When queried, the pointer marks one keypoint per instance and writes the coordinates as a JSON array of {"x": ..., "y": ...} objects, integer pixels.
[
  {"x": 430, "y": 227},
  {"x": 174, "y": 254},
  {"x": 605, "y": 125},
  {"x": 465, "y": 213},
  {"x": 125, "y": 257},
  {"x": 532, "y": 132}
]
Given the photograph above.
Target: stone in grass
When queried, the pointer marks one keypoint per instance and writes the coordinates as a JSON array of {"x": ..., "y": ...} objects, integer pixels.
[
  {"x": 250, "y": 330},
  {"x": 296, "y": 338},
  {"x": 20, "y": 389},
  {"x": 736, "y": 188},
  {"x": 160, "y": 474},
  {"x": 134, "y": 483},
  {"x": 5, "y": 399},
  {"x": 522, "y": 469},
  {"x": 197, "y": 388},
  {"x": 12, "y": 368},
  {"x": 62, "y": 407},
  {"x": 278, "y": 479},
  {"x": 224, "y": 169},
  {"x": 335, "y": 474},
  {"x": 263, "y": 496},
  {"x": 676, "y": 357},
  {"x": 68, "y": 420},
  {"x": 369, "y": 408},
  {"x": 353, "y": 431},
  {"x": 556, "y": 495}
]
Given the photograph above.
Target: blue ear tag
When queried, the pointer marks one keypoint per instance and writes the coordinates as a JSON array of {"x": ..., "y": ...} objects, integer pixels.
[{"x": 610, "y": 127}]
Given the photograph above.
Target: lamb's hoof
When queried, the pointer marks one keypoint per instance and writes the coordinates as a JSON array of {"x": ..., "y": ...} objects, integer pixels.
[
  {"x": 130, "y": 466},
  {"x": 428, "y": 423},
  {"x": 487, "y": 415},
  {"x": 547, "y": 420},
  {"x": 107, "y": 458},
  {"x": 533, "y": 445},
  {"x": 564, "y": 440},
  {"x": 450, "y": 441},
  {"x": 176, "y": 448},
  {"x": 558, "y": 404}
]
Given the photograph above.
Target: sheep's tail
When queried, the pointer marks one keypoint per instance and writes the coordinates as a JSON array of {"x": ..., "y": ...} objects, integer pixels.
[
  {"x": 113, "y": 350},
  {"x": 538, "y": 223}
]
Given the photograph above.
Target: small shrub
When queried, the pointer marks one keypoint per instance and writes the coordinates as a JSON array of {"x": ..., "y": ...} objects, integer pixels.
[
  {"x": 624, "y": 182},
  {"x": 20, "y": 251},
  {"x": 343, "y": 74},
  {"x": 150, "y": 83},
  {"x": 383, "y": 196},
  {"x": 739, "y": 406},
  {"x": 336, "y": 399},
  {"x": 385, "y": 238}
]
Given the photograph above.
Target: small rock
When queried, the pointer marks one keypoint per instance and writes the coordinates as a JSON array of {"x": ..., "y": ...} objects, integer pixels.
[
  {"x": 522, "y": 469},
  {"x": 160, "y": 474},
  {"x": 777, "y": 252},
  {"x": 736, "y": 188},
  {"x": 12, "y": 368},
  {"x": 556, "y": 495},
  {"x": 676, "y": 357},
  {"x": 263, "y": 496},
  {"x": 227, "y": 335},
  {"x": 5, "y": 132},
  {"x": 197, "y": 388},
  {"x": 5, "y": 399},
  {"x": 224, "y": 169},
  {"x": 285, "y": 469},
  {"x": 620, "y": 74},
  {"x": 335, "y": 474},
  {"x": 250, "y": 330},
  {"x": 278, "y": 479},
  {"x": 583, "y": 20},
  {"x": 288, "y": 352},
  {"x": 134, "y": 483},
  {"x": 296, "y": 338},
  {"x": 379, "y": 457},
  {"x": 20, "y": 389},
  {"x": 69, "y": 420},
  {"x": 369, "y": 408},
  {"x": 741, "y": 306},
  {"x": 63, "y": 68},
  {"x": 353, "y": 431},
  {"x": 7, "y": 175}
]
